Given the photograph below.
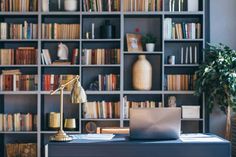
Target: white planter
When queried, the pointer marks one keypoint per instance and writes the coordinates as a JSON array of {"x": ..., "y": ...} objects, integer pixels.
[
  {"x": 45, "y": 5},
  {"x": 150, "y": 47},
  {"x": 70, "y": 5},
  {"x": 193, "y": 5}
]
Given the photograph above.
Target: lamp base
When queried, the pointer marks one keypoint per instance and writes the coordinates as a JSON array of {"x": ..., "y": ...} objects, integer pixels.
[{"x": 61, "y": 136}]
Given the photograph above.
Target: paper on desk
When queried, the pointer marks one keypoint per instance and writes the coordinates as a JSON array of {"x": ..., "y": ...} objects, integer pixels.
[
  {"x": 94, "y": 136},
  {"x": 199, "y": 138}
]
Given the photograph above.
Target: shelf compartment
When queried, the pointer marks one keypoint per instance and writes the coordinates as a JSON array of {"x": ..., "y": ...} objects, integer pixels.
[
  {"x": 185, "y": 6},
  {"x": 99, "y": 21},
  {"x": 51, "y": 103},
  {"x": 143, "y": 25},
  {"x": 130, "y": 59},
  {"x": 191, "y": 126},
  {"x": 90, "y": 75},
  {"x": 60, "y": 70}
]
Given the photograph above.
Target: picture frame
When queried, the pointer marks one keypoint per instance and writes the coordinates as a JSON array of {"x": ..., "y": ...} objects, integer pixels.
[{"x": 134, "y": 43}]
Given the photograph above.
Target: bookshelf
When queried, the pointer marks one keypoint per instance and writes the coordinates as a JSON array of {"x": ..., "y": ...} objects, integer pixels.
[{"x": 42, "y": 103}]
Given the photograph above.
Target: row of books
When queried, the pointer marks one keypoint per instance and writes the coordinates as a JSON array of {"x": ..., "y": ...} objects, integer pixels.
[
  {"x": 19, "y": 31},
  {"x": 132, "y": 104},
  {"x": 20, "y": 56},
  {"x": 18, "y": 122},
  {"x": 47, "y": 60},
  {"x": 142, "y": 5},
  {"x": 52, "y": 82},
  {"x": 60, "y": 31},
  {"x": 19, "y": 5},
  {"x": 101, "y": 110},
  {"x": 181, "y": 30},
  {"x": 100, "y": 56},
  {"x": 101, "y": 5},
  {"x": 110, "y": 82},
  {"x": 180, "y": 82},
  {"x": 13, "y": 80},
  {"x": 21, "y": 149}
]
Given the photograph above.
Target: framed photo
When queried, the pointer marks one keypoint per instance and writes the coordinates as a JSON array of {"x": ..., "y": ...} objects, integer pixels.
[{"x": 134, "y": 42}]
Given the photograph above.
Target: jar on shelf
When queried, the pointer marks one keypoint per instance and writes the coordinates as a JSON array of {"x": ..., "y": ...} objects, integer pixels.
[
  {"x": 70, "y": 5},
  {"x": 142, "y": 74}
]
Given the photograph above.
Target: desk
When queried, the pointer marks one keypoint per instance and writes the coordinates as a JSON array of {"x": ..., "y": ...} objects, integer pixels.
[{"x": 121, "y": 146}]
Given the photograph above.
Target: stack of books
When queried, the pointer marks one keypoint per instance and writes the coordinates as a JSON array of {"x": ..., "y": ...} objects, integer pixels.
[
  {"x": 182, "y": 30},
  {"x": 60, "y": 31},
  {"x": 132, "y": 104},
  {"x": 101, "y": 5},
  {"x": 20, "y": 56},
  {"x": 180, "y": 82},
  {"x": 52, "y": 82},
  {"x": 100, "y": 56},
  {"x": 19, "y": 5},
  {"x": 142, "y": 5},
  {"x": 101, "y": 110},
  {"x": 13, "y": 80},
  {"x": 18, "y": 122},
  {"x": 19, "y": 31},
  {"x": 109, "y": 82}
]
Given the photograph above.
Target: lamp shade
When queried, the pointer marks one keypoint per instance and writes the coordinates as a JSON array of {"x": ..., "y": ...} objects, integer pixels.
[{"x": 78, "y": 94}]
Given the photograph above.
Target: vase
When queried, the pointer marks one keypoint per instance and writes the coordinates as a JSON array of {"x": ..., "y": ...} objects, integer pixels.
[
  {"x": 142, "y": 74},
  {"x": 150, "y": 47},
  {"x": 70, "y": 5}
]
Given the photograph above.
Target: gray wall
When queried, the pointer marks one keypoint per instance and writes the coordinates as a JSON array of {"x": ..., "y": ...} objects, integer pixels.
[{"x": 222, "y": 30}]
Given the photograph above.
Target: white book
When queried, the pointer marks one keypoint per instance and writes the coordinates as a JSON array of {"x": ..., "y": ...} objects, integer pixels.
[
  {"x": 104, "y": 107},
  {"x": 193, "y": 31},
  {"x": 195, "y": 54},
  {"x": 43, "y": 59},
  {"x": 190, "y": 55},
  {"x": 146, "y": 5},
  {"x": 47, "y": 56},
  {"x": 168, "y": 28},
  {"x": 3, "y": 30},
  {"x": 94, "y": 106},
  {"x": 186, "y": 56},
  {"x": 182, "y": 55},
  {"x": 193, "y": 5}
]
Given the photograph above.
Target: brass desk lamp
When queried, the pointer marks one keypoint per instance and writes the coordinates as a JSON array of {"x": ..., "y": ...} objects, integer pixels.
[{"x": 78, "y": 95}]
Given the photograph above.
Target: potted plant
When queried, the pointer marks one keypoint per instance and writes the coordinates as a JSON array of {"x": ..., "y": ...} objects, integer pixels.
[
  {"x": 216, "y": 78},
  {"x": 149, "y": 40}
]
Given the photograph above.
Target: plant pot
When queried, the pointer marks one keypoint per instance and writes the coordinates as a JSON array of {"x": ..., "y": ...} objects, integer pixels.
[
  {"x": 142, "y": 74},
  {"x": 70, "y": 5},
  {"x": 150, "y": 47}
]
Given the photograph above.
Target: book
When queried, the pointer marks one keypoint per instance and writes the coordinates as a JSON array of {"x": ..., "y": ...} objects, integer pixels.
[
  {"x": 180, "y": 82},
  {"x": 174, "y": 30},
  {"x": 142, "y": 5},
  {"x": 101, "y": 5},
  {"x": 46, "y": 57},
  {"x": 19, "y": 5},
  {"x": 60, "y": 31},
  {"x": 133, "y": 104},
  {"x": 101, "y": 110},
  {"x": 100, "y": 56},
  {"x": 109, "y": 82},
  {"x": 21, "y": 149},
  {"x": 25, "y": 30}
]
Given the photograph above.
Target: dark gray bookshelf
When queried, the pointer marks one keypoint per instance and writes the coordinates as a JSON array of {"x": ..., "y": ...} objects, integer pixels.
[{"x": 41, "y": 102}]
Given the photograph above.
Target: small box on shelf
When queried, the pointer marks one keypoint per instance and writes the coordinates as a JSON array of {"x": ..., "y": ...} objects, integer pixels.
[{"x": 190, "y": 112}]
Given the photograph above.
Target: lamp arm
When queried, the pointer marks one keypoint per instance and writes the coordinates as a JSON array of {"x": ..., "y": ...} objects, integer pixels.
[{"x": 65, "y": 84}]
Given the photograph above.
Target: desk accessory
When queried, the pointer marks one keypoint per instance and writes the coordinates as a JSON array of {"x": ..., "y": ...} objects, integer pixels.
[{"x": 78, "y": 95}]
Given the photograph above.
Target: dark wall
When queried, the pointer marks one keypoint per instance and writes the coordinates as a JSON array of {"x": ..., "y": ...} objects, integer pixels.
[{"x": 222, "y": 30}]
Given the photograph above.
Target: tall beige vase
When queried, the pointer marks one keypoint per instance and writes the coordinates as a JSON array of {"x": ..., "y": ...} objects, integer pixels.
[{"x": 142, "y": 74}]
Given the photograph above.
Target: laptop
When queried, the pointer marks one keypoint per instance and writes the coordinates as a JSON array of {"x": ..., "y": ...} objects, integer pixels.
[{"x": 155, "y": 123}]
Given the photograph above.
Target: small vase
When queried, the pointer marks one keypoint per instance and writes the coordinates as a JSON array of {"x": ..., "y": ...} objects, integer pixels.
[
  {"x": 142, "y": 74},
  {"x": 150, "y": 47},
  {"x": 70, "y": 5}
]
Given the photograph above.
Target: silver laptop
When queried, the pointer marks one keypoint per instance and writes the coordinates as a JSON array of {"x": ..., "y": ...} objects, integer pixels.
[{"x": 155, "y": 123}]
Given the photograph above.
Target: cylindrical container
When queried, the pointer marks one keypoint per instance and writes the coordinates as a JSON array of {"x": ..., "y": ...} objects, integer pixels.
[
  {"x": 45, "y": 5},
  {"x": 142, "y": 74},
  {"x": 193, "y": 5},
  {"x": 70, "y": 124},
  {"x": 70, "y": 5},
  {"x": 107, "y": 31},
  {"x": 150, "y": 47},
  {"x": 171, "y": 60},
  {"x": 54, "y": 121}
]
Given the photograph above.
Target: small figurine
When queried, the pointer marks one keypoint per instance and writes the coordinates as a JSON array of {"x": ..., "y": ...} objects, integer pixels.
[
  {"x": 62, "y": 52},
  {"x": 172, "y": 101}
]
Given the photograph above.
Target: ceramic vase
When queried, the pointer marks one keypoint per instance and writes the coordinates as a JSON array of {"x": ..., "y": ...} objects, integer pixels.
[
  {"x": 142, "y": 74},
  {"x": 70, "y": 5}
]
